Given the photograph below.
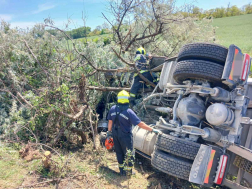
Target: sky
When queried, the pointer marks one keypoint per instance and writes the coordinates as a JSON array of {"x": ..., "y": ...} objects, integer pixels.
[{"x": 26, "y": 13}]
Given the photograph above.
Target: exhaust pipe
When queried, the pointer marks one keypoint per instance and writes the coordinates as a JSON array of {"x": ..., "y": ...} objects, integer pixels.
[
  {"x": 207, "y": 134},
  {"x": 211, "y": 135}
]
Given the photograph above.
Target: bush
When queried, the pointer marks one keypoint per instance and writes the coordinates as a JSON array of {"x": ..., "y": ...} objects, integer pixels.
[
  {"x": 106, "y": 40},
  {"x": 96, "y": 40}
]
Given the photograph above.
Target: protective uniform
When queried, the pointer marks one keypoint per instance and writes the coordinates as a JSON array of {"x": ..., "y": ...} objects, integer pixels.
[
  {"x": 123, "y": 118},
  {"x": 143, "y": 67}
]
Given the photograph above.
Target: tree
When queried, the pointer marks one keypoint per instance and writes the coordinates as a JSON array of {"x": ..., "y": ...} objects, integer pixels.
[
  {"x": 219, "y": 12},
  {"x": 52, "y": 32},
  {"x": 47, "y": 89},
  {"x": 150, "y": 22},
  {"x": 234, "y": 11},
  {"x": 105, "y": 25},
  {"x": 103, "y": 31},
  {"x": 4, "y": 26},
  {"x": 228, "y": 10},
  {"x": 99, "y": 28},
  {"x": 80, "y": 32},
  {"x": 248, "y": 8},
  {"x": 196, "y": 11}
]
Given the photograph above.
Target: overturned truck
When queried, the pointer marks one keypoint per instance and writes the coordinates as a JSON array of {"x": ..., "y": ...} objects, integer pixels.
[{"x": 202, "y": 107}]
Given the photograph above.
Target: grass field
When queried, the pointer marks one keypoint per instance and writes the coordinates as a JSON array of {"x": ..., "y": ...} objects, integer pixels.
[{"x": 235, "y": 30}]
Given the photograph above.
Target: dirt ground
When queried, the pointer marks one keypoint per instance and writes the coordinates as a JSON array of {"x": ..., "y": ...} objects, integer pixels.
[{"x": 86, "y": 168}]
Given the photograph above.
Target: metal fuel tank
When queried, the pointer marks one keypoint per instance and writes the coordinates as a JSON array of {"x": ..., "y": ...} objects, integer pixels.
[{"x": 144, "y": 140}]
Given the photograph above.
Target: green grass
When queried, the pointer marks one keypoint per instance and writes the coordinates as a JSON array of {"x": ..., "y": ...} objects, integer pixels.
[
  {"x": 13, "y": 169},
  {"x": 235, "y": 30}
]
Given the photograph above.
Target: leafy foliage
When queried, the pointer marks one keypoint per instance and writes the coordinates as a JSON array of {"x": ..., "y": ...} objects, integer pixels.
[{"x": 44, "y": 83}]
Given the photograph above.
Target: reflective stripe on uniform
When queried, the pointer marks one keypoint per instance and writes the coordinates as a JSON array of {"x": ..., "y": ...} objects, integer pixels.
[
  {"x": 120, "y": 165},
  {"x": 122, "y": 97},
  {"x": 141, "y": 71},
  {"x": 137, "y": 58},
  {"x": 132, "y": 95},
  {"x": 128, "y": 168},
  {"x": 122, "y": 115}
]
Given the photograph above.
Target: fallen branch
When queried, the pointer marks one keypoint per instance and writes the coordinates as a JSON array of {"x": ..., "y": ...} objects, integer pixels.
[
  {"x": 135, "y": 69},
  {"x": 73, "y": 117},
  {"x": 81, "y": 54},
  {"x": 13, "y": 96},
  {"x": 114, "y": 70},
  {"x": 26, "y": 44},
  {"x": 35, "y": 184},
  {"x": 20, "y": 96},
  {"x": 131, "y": 42},
  {"x": 108, "y": 88},
  {"x": 94, "y": 134},
  {"x": 130, "y": 64},
  {"x": 85, "y": 57},
  {"x": 62, "y": 131},
  {"x": 32, "y": 144},
  {"x": 81, "y": 133}
]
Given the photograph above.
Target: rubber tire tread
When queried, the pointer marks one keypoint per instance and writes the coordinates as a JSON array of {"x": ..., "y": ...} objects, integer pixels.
[
  {"x": 197, "y": 69},
  {"x": 203, "y": 51},
  {"x": 177, "y": 146},
  {"x": 171, "y": 165}
]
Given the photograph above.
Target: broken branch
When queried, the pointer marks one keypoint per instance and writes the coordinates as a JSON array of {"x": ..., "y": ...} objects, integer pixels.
[{"x": 73, "y": 117}]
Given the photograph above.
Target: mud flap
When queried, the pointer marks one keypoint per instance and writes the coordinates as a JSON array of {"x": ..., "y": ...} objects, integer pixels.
[{"x": 200, "y": 165}]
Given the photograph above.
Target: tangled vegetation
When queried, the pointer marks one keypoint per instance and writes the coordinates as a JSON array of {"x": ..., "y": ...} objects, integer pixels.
[{"x": 46, "y": 88}]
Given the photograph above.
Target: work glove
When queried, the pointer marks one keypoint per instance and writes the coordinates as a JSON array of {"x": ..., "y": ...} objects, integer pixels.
[
  {"x": 109, "y": 134},
  {"x": 156, "y": 131}
]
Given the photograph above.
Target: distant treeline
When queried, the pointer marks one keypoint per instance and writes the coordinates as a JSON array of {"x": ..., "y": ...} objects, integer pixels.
[
  {"x": 85, "y": 32},
  {"x": 193, "y": 11},
  {"x": 218, "y": 12}
]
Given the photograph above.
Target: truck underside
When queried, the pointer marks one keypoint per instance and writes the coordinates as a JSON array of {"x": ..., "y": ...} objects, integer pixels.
[{"x": 201, "y": 105}]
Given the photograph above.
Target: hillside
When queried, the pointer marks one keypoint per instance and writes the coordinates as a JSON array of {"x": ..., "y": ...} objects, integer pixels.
[
  {"x": 235, "y": 30},
  {"x": 229, "y": 30}
]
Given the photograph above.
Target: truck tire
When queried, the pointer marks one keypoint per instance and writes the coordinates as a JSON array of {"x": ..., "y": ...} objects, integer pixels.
[
  {"x": 177, "y": 146},
  {"x": 198, "y": 70},
  {"x": 171, "y": 165},
  {"x": 203, "y": 51}
]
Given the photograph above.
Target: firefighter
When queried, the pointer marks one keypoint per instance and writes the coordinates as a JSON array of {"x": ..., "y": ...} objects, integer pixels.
[
  {"x": 143, "y": 67},
  {"x": 121, "y": 118}
]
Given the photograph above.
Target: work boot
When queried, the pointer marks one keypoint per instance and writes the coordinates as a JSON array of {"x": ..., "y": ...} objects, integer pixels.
[{"x": 122, "y": 172}]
